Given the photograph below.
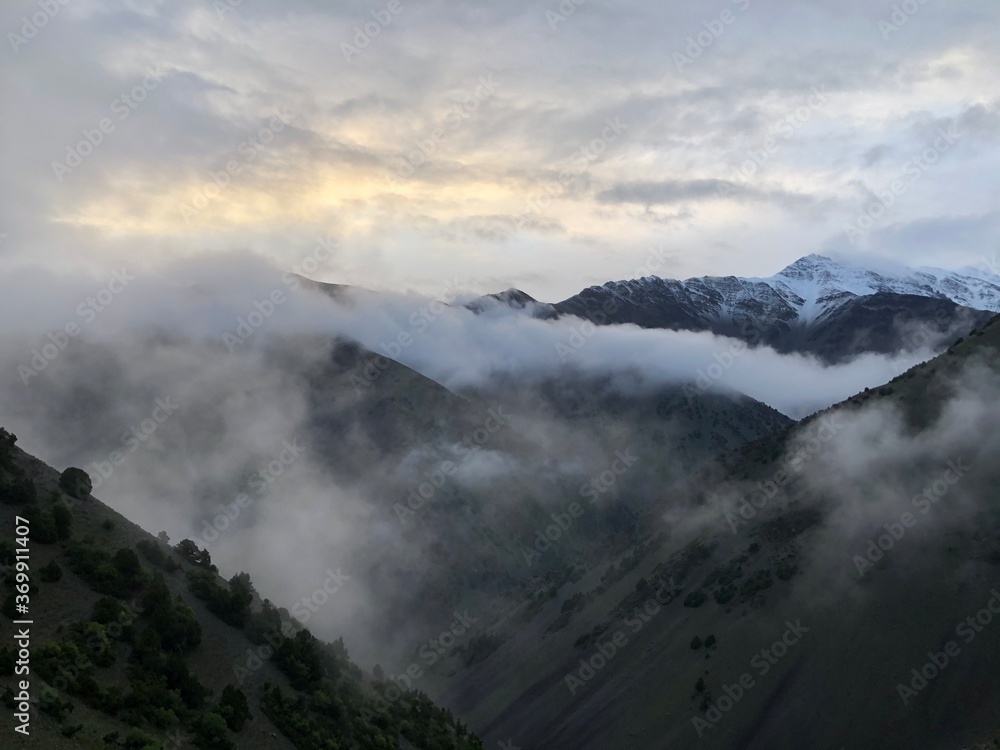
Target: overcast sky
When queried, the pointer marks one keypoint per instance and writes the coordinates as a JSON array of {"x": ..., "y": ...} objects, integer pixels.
[{"x": 563, "y": 143}]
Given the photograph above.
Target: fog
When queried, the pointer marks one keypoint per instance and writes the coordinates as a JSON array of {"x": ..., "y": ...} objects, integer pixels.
[{"x": 217, "y": 377}]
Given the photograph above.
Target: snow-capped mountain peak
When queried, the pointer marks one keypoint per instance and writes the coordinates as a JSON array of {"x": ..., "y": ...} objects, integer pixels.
[{"x": 823, "y": 284}]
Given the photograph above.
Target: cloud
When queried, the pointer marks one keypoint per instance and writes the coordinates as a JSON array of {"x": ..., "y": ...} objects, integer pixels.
[{"x": 355, "y": 119}]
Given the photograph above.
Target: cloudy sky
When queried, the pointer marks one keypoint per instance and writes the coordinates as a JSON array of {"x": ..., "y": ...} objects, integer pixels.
[{"x": 491, "y": 144}]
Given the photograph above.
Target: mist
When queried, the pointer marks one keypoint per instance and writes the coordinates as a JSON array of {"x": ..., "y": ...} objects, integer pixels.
[{"x": 211, "y": 396}]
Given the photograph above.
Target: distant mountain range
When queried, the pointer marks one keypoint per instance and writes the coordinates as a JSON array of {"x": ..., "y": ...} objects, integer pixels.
[{"x": 815, "y": 305}]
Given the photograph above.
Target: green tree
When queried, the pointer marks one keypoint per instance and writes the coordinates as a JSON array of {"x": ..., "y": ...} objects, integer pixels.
[
  {"x": 190, "y": 552},
  {"x": 76, "y": 483},
  {"x": 42, "y": 528},
  {"x": 63, "y": 518},
  {"x": 50, "y": 573},
  {"x": 233, "y": 707},
  {"x": 18, "y": 491},
  {"x": 210, "y": 733}
]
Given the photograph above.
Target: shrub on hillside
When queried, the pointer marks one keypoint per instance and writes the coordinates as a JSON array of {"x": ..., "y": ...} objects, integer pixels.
[
  {"x": 200, "y": 557},
  {"x": 62, "y": 517},
  {"x": 233, "y": 707},
  {"x": 41, "y": 525},
  {"x": 155, "y": 553},
  {"x": 232, "y": 606},
  {"x": 174, "y": 623},
  {"x": 50, "y": 573},
  {"x": 76, "y": 483},
  {"x": 19, "y": 490},
  {"x": 695, "y": 599},
  {"x": 117, "y": 576}
]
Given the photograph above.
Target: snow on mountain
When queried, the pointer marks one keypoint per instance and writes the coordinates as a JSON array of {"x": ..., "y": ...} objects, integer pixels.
[
  {"x": 816, "y": 285},
  {"x": 807, "y": 291}
]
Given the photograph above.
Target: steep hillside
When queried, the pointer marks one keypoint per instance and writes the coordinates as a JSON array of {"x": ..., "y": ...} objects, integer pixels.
[
  {"x": 834, "y": 585},
  {"x": 133, "y": 643},
  {"x": 441, "y": 490}
]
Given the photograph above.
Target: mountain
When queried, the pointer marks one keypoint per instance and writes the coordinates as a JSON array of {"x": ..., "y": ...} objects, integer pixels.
[
  {"x": 376, "y": 430},
  {"x": 834, "y": 584},
  {"x": 815, "y": 305},
  {"x": 134, "y": 643},
  {"x": 511, "y": 299}
]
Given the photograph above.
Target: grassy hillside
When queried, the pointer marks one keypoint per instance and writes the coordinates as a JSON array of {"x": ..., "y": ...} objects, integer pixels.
[{"x": 135, "y": 643}]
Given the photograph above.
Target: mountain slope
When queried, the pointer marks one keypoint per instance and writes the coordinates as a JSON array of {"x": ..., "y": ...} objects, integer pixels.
[
  {"x": 810, "y": 307},
  {"x": 134, "y": 644},
  {"x": 786, "y": 594}
]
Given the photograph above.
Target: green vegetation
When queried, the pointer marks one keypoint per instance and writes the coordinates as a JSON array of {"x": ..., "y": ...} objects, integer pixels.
[
  {"x": 16, "y": 487},
  {"x": 574, "y": 604},
  {"x": 139, "y": 659},
  {"x": 17, "y": 490},
  {"x": 75, "y": 483},
  {"x": 42, "y": 527},
  {"x": 210, "y": 733},
  {"x": 695, "y": 599},
  {"x": 50, "y": 573},
  {"x": 189, "y": 551},
  {"x": 233, "y": 707},
  {"x": 232, "y": 606},
  {"x": 62, "y": 517},
  {"x": 155, "y": 553},
  {"x": 116, "y": 575},
  {"x": 172, "y": 621},
  {"x": 755, "y": 584}
]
